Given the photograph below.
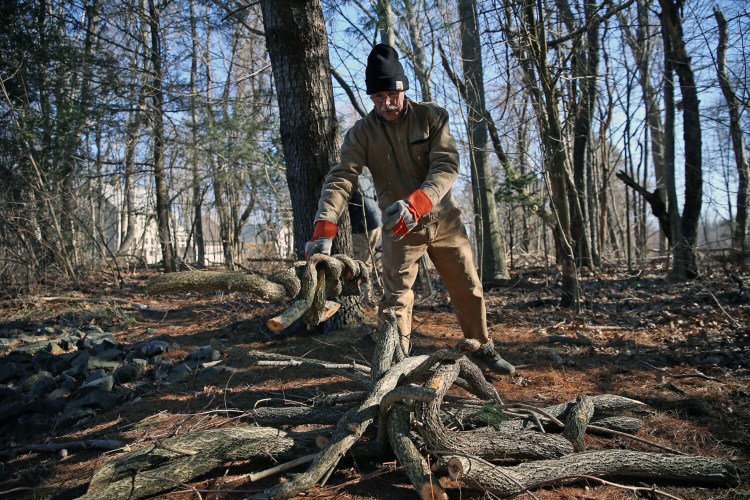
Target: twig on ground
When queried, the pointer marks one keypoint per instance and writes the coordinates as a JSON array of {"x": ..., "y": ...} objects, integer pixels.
[{"x": 696, "y": 374}]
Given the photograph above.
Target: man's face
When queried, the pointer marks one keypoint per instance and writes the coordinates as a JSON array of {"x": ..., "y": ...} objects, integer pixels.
[{"x": 389, "y": 105}]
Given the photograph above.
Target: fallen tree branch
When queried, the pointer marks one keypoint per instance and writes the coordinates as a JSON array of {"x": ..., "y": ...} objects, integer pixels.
[
  {"x": 481, "y": 443},
  {"x": 349, "y": 429},
  {"x": 504, "y": 481}
]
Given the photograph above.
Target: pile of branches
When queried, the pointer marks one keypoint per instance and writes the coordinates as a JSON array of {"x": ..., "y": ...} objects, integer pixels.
[{"x": 409, "y": 403}]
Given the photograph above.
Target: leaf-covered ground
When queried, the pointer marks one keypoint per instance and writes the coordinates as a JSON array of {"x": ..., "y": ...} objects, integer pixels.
[{"x": 680, "y": 348}]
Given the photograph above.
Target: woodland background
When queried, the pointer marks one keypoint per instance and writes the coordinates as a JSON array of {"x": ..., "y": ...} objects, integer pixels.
[
  {"x": 196, "y": 133},
  {"x": 604, "y": 183}
]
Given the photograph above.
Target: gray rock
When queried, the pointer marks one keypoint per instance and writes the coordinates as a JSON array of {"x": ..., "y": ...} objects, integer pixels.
[
  {"x": 213, "y": 372},
  {"x": 180, "y": 373},
  {"x": 11, "y": 411},
  {"x": 105, "y": 383},
  {"x": 153, "y": 348},
  {"x": 32, "y": 348},
  {"x": 60, "y": 393},
  {"x": 46, "y": 406},
  {"x": 39, "y": 384},
  {"x": 74, "y": 415},
  {"x": 205, "y": 353},
  {"x": 100, "y": 399},
  {"x": 66, "y": 381},
  {"x": 13, "y": 371},
  {"x": 80, "y": 361},
  {"x": 95, "y": 363},
  {"x": 127, "y": 373}
]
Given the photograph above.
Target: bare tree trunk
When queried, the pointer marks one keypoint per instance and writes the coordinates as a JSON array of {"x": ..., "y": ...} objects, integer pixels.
[
  {"x": 385, "y": 24},
  {"x": 414, "y": 14},
  {"x": 160, "y": 176},
  {"x": 685, "y": 260},
  {"x": 489, "y": 242},
  {"x": 642, "y": 48},
  {"x": 583, "y": 95},
  {"x": 738, "y": 143},
  {"x": 297, "y": 44},
  {"x": 200, "y": 258},
  {"x": 541, "y": 86}
]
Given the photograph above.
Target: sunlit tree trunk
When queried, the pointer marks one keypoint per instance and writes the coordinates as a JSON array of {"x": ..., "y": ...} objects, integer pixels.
[
  {"x": 197, "y": 199},
  {"x": 540, "y": 84},
  {"x": 642, "y": 48},
  {"x": 298, "y": 47},
  {"x": 738, "y": 144},
  {"x": 160, "y": 175},
  {"x": 685, "y": 259},
  {"x": 489, "y": 239}
]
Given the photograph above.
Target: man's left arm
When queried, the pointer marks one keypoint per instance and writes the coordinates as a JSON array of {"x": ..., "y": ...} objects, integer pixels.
[
  {"x": 403, "y": 216},
  {"x": 444, "y": 162}
]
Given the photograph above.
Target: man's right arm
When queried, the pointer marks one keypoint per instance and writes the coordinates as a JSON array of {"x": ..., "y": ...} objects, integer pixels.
[{"x": 341, "y": 179}]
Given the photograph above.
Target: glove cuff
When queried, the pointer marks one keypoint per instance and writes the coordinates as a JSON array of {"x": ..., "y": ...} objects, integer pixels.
[
  {"x": 324, "y": 229},
  {"x": 421, "y": 203}
]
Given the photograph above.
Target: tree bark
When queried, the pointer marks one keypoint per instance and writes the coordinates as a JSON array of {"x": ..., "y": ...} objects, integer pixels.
[
  {"x": 160, "y": 175},
  {"x": 298, "y": 48},
  {"x": 505, "y": 481},
  {"x": 685, "y": 264},
  {"x": 164, "y": 465}
]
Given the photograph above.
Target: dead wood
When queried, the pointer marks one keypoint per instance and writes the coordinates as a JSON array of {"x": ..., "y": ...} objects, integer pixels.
[
  {"x": 480, "y": 443},
  {"x": 409, "y": 457},
  {"x": 349, "y": 429},
  {"x": 354, "y": 371},
  {"x": 386, "y": 346},
  {"x": 628, "y": 425},
  {"x": 155, "y": 468},
  {"x": 308, "y": 283},
  {"x": 88, "y": 444},
  {"x": 577, "y": 420},
  {"x": 504, "y": 481},
  {"x": 294, "y": 415},
  {"x": 228, "y": 281}
]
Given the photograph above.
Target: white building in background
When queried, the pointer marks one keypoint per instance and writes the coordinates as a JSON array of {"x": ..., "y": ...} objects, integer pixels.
[{"x": 257, "y": 241}]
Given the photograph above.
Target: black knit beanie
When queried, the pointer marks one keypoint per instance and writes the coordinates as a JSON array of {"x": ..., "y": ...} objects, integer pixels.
[{"x": 384, "y": 73}]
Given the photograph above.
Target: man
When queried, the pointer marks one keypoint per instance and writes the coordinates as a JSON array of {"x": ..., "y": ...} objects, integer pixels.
[
  {"x": 366, "y": 229},
  {"x": 412, "y": 157}
]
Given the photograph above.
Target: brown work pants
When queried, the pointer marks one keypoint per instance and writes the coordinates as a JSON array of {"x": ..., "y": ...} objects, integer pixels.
[{"x": 447, "y": 244}]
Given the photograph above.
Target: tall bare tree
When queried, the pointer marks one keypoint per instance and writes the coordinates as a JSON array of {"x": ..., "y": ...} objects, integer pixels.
[
  {"x": 684, "y": 247},
  {"x": 489, "y": 241},
  {"x": 528, "y": 39},
  {"x": 739, "y": 233},
  {"x": 157, "y": 118}
]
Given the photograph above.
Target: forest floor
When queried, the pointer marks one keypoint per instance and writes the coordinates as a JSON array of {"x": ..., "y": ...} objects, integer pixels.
[{"x": 680, "y": 348}]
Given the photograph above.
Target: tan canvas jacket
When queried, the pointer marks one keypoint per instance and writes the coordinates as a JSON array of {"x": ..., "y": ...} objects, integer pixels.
[{"x": 415, "y": 151}]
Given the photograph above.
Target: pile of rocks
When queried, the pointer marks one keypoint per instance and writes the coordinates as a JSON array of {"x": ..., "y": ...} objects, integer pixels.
[{"x": 59, "y": 377}]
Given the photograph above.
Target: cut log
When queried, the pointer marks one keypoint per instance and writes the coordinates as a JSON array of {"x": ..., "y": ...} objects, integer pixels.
[
  {"x": 228, "y": 281},
  {"x": 155, "y": 469},
  {"x": 294, "y": 415},
  {"x": 505, "y": 481},
  {"x": 308, "y": 283},
  {"x": 386, "y": 345},
  {"x": 577, "y": 420}
]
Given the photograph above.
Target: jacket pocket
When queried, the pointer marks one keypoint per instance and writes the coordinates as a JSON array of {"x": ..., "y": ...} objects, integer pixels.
[{"x": 419, "y": 151}]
